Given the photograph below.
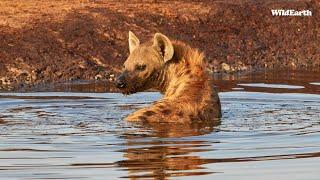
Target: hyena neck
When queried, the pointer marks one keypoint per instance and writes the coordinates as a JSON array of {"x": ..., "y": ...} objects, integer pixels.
[{"x": 184, "y": 75}]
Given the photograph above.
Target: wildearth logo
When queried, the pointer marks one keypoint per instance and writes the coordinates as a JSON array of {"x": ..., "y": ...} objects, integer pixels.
[{"x": 290, "y": 12}]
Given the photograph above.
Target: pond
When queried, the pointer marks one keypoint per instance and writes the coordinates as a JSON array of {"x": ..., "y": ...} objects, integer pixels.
[{"x": 270, "y": 128}]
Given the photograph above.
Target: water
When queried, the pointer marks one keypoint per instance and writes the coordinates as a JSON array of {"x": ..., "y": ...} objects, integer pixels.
[{"x": 265, "y": 132}]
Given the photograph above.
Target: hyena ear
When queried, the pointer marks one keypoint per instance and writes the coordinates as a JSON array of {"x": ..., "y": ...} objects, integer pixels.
[
  {"x": 163, "y": 43},
  {"x": 133, "y": 41}
]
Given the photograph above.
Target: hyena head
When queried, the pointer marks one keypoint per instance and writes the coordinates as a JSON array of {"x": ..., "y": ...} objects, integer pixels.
[{"x": 144, "y": 63}]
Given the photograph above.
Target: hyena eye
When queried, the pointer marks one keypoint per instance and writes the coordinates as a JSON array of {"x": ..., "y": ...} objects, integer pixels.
[{"x": 141, "y": 67}]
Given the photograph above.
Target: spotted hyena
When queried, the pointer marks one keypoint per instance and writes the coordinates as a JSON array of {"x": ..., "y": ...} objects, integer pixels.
[{"x": 175, "y": 69}]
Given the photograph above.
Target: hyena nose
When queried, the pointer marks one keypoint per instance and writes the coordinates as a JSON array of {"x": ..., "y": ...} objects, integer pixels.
[{"x": 120, "y": 81}]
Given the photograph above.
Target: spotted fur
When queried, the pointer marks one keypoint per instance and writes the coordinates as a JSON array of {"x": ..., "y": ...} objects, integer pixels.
[{"x": 183, "y": 79}]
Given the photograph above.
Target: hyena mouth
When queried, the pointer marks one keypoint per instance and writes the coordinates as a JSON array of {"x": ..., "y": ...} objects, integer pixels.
[
  {"x": 128, "y": 92},
  {"x": 137, "y": 87}
]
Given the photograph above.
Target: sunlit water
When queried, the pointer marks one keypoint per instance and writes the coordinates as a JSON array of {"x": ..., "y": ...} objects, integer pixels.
[{"x": 263, "y": 134}]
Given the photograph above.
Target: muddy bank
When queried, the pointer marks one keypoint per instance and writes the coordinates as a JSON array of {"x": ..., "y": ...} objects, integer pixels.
[{"x": 43, "y": 42}]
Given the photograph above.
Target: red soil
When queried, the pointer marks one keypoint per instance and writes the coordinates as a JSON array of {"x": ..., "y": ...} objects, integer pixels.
[{"x": 52, "y": 41}]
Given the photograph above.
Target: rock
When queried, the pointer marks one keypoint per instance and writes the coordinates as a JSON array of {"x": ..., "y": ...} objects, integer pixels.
[
  {"x": 225, "y": 67},
  {"x": 98, "y": 77}
]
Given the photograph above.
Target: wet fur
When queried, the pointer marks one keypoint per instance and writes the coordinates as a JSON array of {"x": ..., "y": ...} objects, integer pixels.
[{"x": 188, "y": 89}]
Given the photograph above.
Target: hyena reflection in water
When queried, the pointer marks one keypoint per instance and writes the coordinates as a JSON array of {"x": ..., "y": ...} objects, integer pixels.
[{"x": 177, "y": 71}]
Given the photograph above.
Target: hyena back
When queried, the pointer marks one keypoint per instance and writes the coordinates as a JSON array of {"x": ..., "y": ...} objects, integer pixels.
[{"x": 177, "y": 71}]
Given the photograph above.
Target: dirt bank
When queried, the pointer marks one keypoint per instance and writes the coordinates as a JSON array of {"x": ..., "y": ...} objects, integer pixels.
[{"x": 53, "y": 41}]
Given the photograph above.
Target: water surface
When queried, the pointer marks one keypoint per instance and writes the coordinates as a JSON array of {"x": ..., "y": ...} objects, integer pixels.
[{"x": 265, "y": 132}]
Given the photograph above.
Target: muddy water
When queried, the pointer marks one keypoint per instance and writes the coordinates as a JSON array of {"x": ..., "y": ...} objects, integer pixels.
[{"x": 270, "y": 129}]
